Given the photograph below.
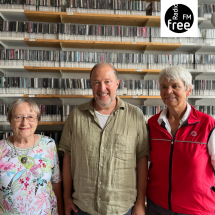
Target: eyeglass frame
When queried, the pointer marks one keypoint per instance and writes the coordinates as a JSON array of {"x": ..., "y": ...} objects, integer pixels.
[{"x": 36, "y": 118}]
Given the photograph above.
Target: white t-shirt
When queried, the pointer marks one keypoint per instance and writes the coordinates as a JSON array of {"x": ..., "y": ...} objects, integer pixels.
[{"x": 102, "y": 118}]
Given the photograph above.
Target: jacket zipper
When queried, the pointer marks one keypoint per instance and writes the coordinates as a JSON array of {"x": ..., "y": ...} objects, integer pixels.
[
  {"x": 170, "y": 169},
  {"x": 170, "y": 174}
]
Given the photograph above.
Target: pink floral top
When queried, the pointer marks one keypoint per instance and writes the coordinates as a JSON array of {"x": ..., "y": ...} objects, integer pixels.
[{"x": 26, "y": 177}]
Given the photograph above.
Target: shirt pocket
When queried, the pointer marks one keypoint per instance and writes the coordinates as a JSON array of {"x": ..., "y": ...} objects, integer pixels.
[{"x": 125, "y": 147}]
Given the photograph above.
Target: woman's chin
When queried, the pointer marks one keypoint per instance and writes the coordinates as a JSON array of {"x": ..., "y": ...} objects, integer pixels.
[
  {"x": 170, "y": 103},
  {"x": 25, "y": 133}
]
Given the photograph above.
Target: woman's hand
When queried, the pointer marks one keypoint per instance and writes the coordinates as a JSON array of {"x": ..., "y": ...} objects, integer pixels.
[
  {"x": 57, "y": 190},
  {"x": 69, "y": 206}
]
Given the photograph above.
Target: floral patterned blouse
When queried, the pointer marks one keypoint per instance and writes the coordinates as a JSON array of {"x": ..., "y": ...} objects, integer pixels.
[{"x": 26, "y": 177}]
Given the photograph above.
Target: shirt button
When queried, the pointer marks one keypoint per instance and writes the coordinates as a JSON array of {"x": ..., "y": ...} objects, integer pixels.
[
  {"x": 100, "y": 182},
  {"x": 99, "y": 199},
  {"x": 103, "y": 148},
  {"x": 101, "y": 164}
]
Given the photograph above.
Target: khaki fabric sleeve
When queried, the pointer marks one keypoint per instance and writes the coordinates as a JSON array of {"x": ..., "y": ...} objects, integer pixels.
[
  {"x": 143, "y": 140},
  {"x": 65, "y": 142}
]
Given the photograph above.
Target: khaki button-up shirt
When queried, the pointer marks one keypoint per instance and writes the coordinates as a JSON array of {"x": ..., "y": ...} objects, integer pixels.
[{"x": 103, "y": 161}]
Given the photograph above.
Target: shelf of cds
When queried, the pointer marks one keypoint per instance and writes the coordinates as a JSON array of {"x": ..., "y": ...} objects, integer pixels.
[
  {"x": 206, "y": 8},
  {"x": 128, "y": 7},
  {"x": 51, "y": 113},
  {"x": 208, "y": 2},
  {"x": 81, "y": 88},
  {"x": 148, "y": 112},
  {"x": 74, "y": 96},
  {"x": 209, "y": 69},
  {"x": 74, "y": 70},
  {"x": 130, "y": 20},
  {"x": 162, "y": 44},
  {"x": 82, "y": 61},
  {"x": 87, "y": 70},
  {"x": 87, "y": 18},
  {"x": 86, "y": 44},
  {"x": 57, "y": 114},
  {"x": 98, "y": 18},
  {"x": 93, "y": 44},
  {"x": 90, "y": 96},
  {"x": 53, "y": 37}
]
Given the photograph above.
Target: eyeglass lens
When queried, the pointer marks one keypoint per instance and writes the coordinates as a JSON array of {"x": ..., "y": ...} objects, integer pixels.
[{"x": 19, "y": 118}]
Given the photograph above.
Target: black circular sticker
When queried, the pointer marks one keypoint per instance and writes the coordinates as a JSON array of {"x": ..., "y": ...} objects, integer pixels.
[{"x": 179, "y": 18}]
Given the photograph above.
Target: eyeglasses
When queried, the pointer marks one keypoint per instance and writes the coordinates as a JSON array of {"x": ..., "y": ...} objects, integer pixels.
[{"x": 30, "y": 118}]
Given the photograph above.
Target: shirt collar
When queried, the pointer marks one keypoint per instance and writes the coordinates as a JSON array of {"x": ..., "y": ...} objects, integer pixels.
[
  {"x": 163, "y": 117},
  {"x": 120, "y": 104},
  {"x": 88, "y": 105}
]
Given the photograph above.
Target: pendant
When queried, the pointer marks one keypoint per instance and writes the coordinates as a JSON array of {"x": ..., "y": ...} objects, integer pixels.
[{"x": 24, "y": 160}]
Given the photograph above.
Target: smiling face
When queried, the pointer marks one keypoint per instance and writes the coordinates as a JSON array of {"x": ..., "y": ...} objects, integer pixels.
[
  {"x": 104, "y": 85},
  {"x": 23, "y": 129},
  {"x": 173, "y": 93}
]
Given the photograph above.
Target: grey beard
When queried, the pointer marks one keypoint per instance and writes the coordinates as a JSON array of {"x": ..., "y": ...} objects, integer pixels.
[{"x": 106, "y": 104}]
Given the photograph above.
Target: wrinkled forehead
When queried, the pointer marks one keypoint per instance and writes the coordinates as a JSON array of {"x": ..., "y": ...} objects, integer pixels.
[{"x": 170, "y": 80}]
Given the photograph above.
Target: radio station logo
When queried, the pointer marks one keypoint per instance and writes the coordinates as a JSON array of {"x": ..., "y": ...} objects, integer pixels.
[{"x": 179, "y": 18}]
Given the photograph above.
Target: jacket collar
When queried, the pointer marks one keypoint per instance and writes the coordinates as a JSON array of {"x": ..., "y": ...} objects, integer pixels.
[
  {"x": 163, "y": 116},
  {"x": 193, "y": 117}
]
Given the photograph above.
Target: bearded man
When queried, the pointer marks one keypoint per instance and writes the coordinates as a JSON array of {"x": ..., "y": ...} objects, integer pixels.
[{"x": 105, "y": 145}]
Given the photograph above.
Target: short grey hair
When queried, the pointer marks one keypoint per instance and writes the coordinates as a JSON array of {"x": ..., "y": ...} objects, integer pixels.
[
  {"x": 105, "y": 64},
  {"x": 174, "y": 73},
  {"x": 32, "y": 104}
]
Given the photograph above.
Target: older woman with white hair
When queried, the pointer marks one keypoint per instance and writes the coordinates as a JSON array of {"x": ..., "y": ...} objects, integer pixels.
[
  {"x": 30, "y": 181},
  {"x": 181, "y": 173}
]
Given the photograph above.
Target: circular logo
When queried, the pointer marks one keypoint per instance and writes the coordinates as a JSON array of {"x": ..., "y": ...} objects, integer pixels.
[
  {"x": 193, "y": 133},
  {"x": 179, "y": 18}
]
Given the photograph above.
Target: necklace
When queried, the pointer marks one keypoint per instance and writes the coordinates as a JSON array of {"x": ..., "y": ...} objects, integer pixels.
[{"x": 25, "y": 158}]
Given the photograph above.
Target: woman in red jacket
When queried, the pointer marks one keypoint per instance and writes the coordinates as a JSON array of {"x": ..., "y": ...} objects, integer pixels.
[{"x": 181, "y": 173}]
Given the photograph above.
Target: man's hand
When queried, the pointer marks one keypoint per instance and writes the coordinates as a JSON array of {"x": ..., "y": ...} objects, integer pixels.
[
  {"x": 138, "y": 209},
  {"x": 69, "y": 206},
  {"x": 142, "y": 179}
]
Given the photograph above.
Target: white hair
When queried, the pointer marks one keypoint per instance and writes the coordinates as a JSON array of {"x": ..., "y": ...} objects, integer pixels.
[
  {"x": 174, "y": 73},
  {"x": 31, "y": 103}
]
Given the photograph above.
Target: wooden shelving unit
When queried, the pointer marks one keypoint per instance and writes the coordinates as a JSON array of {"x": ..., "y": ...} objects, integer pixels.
[
  {"x": 89, "y": 96},
  {"x": 89, "y": 44},
  {"x": 194, "y": 72},
  {"x": 92, "y": 18},
  {"x": 100, "y": 19},
  {"x": 87, "y": 70},
  {"x": 86, "y": 44}
]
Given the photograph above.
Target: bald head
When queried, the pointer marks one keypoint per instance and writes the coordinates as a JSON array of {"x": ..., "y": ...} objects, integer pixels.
[{"x": 99, "y": 65}]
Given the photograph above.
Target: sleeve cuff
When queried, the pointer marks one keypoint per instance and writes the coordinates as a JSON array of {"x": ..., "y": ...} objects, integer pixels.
[{"x": 64, "y": 150}]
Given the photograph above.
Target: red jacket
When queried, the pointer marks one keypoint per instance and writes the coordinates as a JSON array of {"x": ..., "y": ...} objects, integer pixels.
[{"x": 181, "y": 176}]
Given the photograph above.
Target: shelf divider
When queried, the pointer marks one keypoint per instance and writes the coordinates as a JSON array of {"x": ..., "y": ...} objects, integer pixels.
[
  {"x": 93, "y": 18},
  {"x": 90, "y": 96}
]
